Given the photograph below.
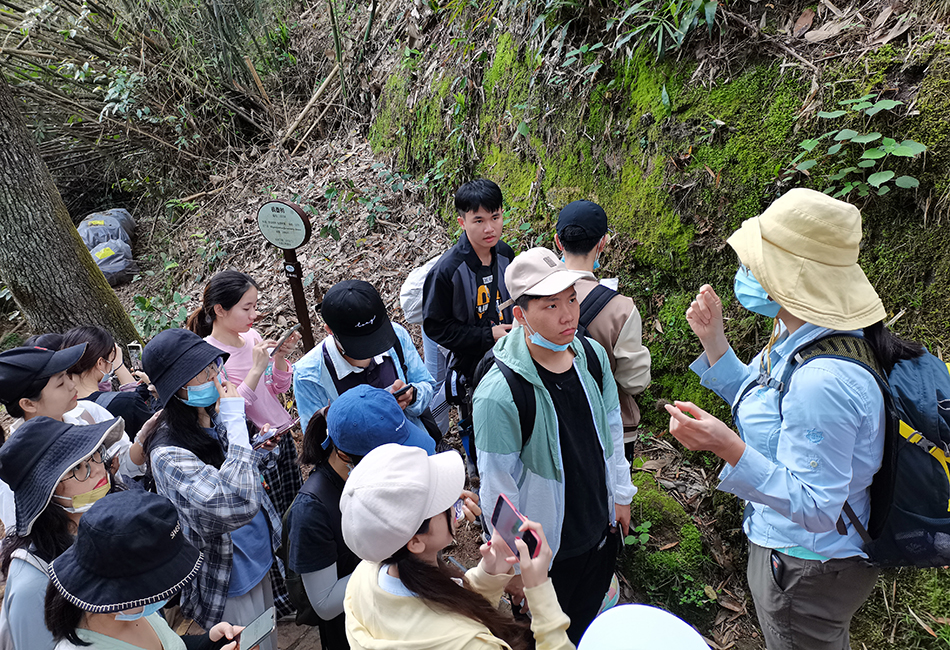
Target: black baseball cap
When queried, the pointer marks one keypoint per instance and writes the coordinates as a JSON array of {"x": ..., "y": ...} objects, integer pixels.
[
  {"x": 25, "y": 371},
  {"x": 586, "y": 215},
  {"x": 358, "y": 318}
]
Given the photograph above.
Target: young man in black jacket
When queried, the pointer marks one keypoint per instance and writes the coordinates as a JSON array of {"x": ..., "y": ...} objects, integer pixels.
[{"x": 463, "y": 291}]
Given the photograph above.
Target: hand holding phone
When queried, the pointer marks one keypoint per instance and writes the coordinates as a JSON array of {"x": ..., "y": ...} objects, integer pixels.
[
  {"x": 135, "y": 355},
  {"x": 272, "y": 433},
  {"x": 257, "y": 630},
  {"x": 507, "y": 523},
  {"x": 402, "y": 391},
  {"x": 283, "y": 339}
]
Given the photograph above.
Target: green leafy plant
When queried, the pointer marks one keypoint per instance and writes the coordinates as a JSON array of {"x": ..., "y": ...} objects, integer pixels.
[
  {"x": 640, "y": 536},
  {"x": 856, "y": 161},
  {"x": 665, "y": 24},
  {"x": 152, "y": 315}
]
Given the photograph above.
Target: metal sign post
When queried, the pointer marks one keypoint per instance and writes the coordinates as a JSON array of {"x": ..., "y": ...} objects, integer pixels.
[{"x": 287, "y": 226}]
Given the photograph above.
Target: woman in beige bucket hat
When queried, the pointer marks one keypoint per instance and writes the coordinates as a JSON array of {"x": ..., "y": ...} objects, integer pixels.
[{"x": 798, "y": 458}]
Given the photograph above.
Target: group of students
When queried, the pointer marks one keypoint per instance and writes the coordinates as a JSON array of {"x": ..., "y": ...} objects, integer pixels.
[{"x": 364, "y": 534}]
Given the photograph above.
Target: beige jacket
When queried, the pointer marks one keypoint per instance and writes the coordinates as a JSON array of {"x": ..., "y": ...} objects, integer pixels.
[
  {"x": 617, "y": 327},
  {"x": 379, "y": 620}
]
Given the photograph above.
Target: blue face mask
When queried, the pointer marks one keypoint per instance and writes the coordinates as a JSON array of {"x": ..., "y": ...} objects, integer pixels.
[
  {"x": 542, "y": 342},
  {"x": 201, "y": 396},
  {"x": 596, "y": 262},
  {"x": 752, "y": 296},
  {"x": 147, "y": 610}
]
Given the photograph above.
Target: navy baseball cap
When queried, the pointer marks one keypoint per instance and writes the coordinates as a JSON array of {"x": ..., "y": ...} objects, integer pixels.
[
  {"x": 365, "y": 417},
  {"x": 357, "y": 316},
  {"x": 25, "y": 371},
  {"x": 586, "y": 215}
]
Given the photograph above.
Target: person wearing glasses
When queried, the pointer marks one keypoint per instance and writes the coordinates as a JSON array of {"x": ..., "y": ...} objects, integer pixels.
[
  {"x": 201, "y": 458},
  {"x": 56, "y": 471},
  {"x": 34, "y": 382}
]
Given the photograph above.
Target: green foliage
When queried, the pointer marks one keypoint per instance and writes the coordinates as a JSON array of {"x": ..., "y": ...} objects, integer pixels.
[
  {"x": 663, "y": 24},
  {"x": 210, "y": 251},
  {"x": 154, "y": 314},
  {"x": 11, "y": 340},
  {"x": 675, "y": 577},
  {"x": 858, "y": 159},
  {"x": 641, "y": 534}
]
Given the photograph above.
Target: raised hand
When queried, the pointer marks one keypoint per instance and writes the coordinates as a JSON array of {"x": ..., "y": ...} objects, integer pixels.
[{"x": 704, "y": 316}]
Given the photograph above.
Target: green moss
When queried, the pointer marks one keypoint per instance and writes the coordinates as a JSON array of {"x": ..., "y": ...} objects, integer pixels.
[
  {"x": 884, "y": 620},
  {"x": 385, "y": 130},
  {"x": 673, "y": 578}
]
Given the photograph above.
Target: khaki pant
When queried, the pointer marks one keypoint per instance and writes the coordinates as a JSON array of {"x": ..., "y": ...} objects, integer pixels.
[{"x": 812, "y": 606}]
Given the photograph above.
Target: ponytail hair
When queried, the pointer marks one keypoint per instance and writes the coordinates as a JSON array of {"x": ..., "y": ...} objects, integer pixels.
[
  {"x": 225, "y": 289},
  {"x": 890, "y": 348},
  {"x": 312, "y": 451},
  {"x": 434, "y": 585}
]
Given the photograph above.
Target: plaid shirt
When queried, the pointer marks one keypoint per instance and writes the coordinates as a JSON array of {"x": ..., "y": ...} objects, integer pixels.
[
  {"x": 283, "y": 481},
  {"x": 211, "y": 504}
]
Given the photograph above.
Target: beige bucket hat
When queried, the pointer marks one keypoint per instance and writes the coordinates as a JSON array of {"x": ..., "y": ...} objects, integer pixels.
[{"x": 803, "y": 250}]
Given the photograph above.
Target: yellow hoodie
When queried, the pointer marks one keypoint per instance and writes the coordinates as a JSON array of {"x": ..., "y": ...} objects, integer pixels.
[{"x": 379, "y": 620}]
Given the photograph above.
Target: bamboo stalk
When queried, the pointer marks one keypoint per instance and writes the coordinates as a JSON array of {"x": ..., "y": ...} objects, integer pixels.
[
  {"x": 313, "y": 100},
  {"x": 257, "y": 80},
  {"x": 317, "y": 121}
]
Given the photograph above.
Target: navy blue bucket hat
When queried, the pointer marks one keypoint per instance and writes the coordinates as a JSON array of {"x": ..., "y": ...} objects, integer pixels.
[
  {"x": 24, "y": 371},
  {"x": 130, "y": 552},
  {"x": 38, "y": 455},
  {"x": 175, "y": 357}
]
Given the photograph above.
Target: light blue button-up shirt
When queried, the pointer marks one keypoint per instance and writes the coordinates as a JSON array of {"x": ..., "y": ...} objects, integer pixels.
[{"x": 799, "y": 467}]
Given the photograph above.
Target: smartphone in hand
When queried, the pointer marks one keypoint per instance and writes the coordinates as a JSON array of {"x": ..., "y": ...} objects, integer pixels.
[
  {"x": 506, "y": 520},
  {"x": 259, "y": 441},
  {"x": 402, "y": 391},
  {"x": 135, "y": 355},
  {"x": 283, "y": 339},
  {"x": 257, "y": 630}
]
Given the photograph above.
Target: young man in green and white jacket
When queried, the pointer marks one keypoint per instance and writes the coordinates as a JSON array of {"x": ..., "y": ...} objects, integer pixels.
[{"x": 571, "y": 474}]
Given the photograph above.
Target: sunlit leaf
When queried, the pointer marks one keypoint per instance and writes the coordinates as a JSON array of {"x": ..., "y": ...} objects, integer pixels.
[{"x": 880, "y": 177}]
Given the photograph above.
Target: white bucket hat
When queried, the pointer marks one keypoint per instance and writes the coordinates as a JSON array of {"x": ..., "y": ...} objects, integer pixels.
[
  {"x": 391, "y": 492},
  {"x": 803, "y": 250}
]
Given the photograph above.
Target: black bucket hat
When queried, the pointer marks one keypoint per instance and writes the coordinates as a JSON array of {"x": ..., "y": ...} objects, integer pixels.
[
  {"x": 358, "y": 318},
  {"x": 130, "y": 552},
  {"x": 23, "y": 371},
  {"x": 175, "y": 357},
  {"x": 39, "y": 454}
]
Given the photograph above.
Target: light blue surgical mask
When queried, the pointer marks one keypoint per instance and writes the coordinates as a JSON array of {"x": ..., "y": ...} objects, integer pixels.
[
  {"x": 596, "y": 261},
  {"x": 147, "y": 610},
  {"x": 202, "y": 395},
  {"x": 752, "y": 296},
  {"x": 542, "y": 342}
]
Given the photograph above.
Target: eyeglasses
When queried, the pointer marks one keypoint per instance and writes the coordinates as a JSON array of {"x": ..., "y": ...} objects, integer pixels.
[{"x": 83, "y": 469}]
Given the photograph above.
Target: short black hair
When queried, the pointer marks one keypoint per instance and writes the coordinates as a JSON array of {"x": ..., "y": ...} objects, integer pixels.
[
  {"x": 479, "y": 193},
  {"x": 574, "y": 242},
  {"x": 523, "y": 300}
]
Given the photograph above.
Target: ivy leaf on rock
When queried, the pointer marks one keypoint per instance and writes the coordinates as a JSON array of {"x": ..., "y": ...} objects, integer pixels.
[
  {"x": 906, "y": 182},
  {"x": 874, "y": 154},
  {"x": 867, "y": 137},
  {"x": 831, "y": 114},
  {"x": 845, "y": 134}
]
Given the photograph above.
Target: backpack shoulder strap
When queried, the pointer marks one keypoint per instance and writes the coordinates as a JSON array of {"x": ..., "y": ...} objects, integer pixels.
[
  {"x": 593, "y": 362},
  {"x": 856, "y": 350},
  {"x": 104, "y": 399},
  {"x": 30, "y": 558},
  {"x": 402, "y": 358},
  {"x": 593, "y": 304},
  {"x": 522, "y": 392}
]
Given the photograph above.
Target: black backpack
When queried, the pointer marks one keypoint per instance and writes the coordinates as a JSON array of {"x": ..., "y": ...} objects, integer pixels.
[
  {"x": 295, "y": 587},
  {"x": 910, "y": 494},
  {"x": 522, "y": 392}
]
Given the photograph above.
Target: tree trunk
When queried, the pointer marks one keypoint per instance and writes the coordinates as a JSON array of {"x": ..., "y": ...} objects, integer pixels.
[{"x": 51, "y": 275}]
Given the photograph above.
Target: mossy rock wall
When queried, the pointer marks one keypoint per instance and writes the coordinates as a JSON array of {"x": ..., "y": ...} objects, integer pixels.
[{"x": 676, "y": 178}]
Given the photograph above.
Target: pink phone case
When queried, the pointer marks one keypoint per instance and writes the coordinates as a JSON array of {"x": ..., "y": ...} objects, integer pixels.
[{"x": 506, "y": 521}]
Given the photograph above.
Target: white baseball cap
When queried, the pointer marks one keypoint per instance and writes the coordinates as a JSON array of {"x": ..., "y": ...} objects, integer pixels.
[
  {"x": 537, "y": 272},
  {"x": 391, "y": 492}
]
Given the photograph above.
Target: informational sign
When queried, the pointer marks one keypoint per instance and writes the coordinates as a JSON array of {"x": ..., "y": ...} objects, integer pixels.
[
  {"x": 287, "y": 226},
  {"x": 284, "y": 224}
]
